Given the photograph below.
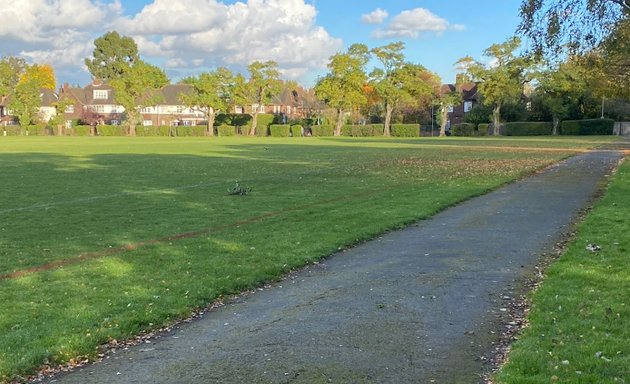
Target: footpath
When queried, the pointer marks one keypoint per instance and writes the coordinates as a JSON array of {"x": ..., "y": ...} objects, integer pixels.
[{"x": 419, "y": 305}]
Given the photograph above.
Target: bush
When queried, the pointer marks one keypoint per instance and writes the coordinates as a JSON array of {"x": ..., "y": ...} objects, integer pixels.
[
  {"x": 113, "y": 130},
  {"x": 296, "y": 130},
  {"x": 527, "y": 128},
  {"x": 587, "y": 127},
  {"x": 264, "y": 121},
  {"x": 279, "y": 130},
  {"x": 484, "y": 129},
  {"x": 362, "y": 130},
  {"x": 35, "y": 130},
  {"x": 463, "y": 129},
  {"x": 195, "y": 130},
  {"x": 322, "y": 130},
  {"x": 226, "y": 130},
  {"x": 12, "y": 130},
  {"x": 405, "y": 130},
  {"x": 78, "y": 130},
  {"x": 154, "y": 130}
]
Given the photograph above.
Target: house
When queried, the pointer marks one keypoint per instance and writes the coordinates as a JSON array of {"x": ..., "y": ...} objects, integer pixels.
[
  {"x": 46, "y": 110},
  {"x": 469, "y": 96},
  {"x": 171, "y": 111},
  {"x": 93, "y": 104}
]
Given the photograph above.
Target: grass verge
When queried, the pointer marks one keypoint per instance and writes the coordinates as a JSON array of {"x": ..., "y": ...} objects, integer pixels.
[
  {"x": 579, "y": 323},
  {"x": 104, "y": 238}
]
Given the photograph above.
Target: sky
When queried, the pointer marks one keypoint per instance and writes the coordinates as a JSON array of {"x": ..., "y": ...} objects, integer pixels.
[{"x": 187, "y": 37}]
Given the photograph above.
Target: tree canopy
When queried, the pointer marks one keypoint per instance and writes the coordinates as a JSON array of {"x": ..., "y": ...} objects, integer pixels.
[
  {"x": 112, "y": 55},
  {"x": 262, "y": 85},
  {"x": 11, "y": 71},
  {"x": 576, "y": 25}
]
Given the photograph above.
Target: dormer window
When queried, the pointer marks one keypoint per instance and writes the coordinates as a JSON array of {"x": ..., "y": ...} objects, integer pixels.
[{"x": 100, "y": 94}]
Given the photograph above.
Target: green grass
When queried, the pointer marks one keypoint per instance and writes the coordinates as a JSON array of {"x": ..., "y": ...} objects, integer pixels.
[
  {"x": 91, "y": 244},
  {"x": 579, "y": 328}
]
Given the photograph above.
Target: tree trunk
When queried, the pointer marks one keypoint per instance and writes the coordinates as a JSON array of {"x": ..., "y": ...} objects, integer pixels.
[
  {"x": 556, "y": 123},
  {"x": 443, "y": 120},
  {"x": 496, "y": 119},
  {"x": 252, "y": 130},
  {"x": 388, "y": 119},
  {"x": 210, "y": 127},
  {"x": 60, "y": 129},
  {"x": 339, "y": 122}
]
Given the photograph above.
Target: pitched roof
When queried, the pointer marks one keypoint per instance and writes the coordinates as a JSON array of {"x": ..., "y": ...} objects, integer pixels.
[
  {"x": 171, "y": 93},
  {"x": 48, "y": 97}
]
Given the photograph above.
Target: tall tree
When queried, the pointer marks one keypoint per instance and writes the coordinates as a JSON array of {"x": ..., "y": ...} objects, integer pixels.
[
  {"x": 59, "y": 119},
  {"x": 342, "y": 88},
  {"x": 257, "y": 91},
  {"x": 137, "y": 88},
  {"x": 388, "y": 80},
  {"x": 212, "y": 93},
  {"x": 113, "y": 54},
  {"x": 445, "y": 101},
  {"x": 501, "y": 82},
  {"x": 11, "y": 71},
  {"x": 25, "y": 101},
  {"x": 579, "y": 25},
  {"x": 44, "y": 74}
]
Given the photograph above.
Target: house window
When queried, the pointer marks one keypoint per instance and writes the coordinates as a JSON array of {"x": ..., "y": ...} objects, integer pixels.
[
  {"x": 187, "y": 123},
  {"x": 68, "y": 124},
  {"x": 276, "y": 109},
  {"x": 114, "y": 122},
  {"x": 100, "y": 94},
  {"x": 98, "y": 108},
  {"x": 261, "y": 109},
  {"x": 180, "y": 109},
  {"x": 69, "y": 109},
  {"x": 147, "y": 110},
  {"x": 450, "y": 109},
  {"x": 238, "y": 109},
  {"x": 147, "y": 123},
  {"x": 288, "y": 109},
  {"x": 467, "y": 106}
]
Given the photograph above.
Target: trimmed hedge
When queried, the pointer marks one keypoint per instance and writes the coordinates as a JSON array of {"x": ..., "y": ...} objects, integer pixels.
[
  {"x": 113, "y": 130},
  {"x": 279, "y": 130},
  {"x": 405, "y": 130},
  {"x": 322, "y": 130},
  {"x": 587, "y": 127},
  {"x": 192, "y": 130},
  {"x": 528, "y": 128},
  {"x": 154, "y": 130},
  {"x": 296, "y": 130},
  {"x": 463, "y": 129},
  {"x": 12, "y": 130},
  {"x": 226, "y": 130},
  {"x": 484, "y": 129},
  {"x": 362, "y": 130},
  {"x": 78, "y": 130}
]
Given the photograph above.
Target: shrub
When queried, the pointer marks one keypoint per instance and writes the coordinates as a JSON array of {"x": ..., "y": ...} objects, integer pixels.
[
  {"x": 296, "y": 130},
  {"x": 279, "y": 130},
  {"x": 405, "y": 130},
  {"x": 113, "y": 130},
  {"x": 322, "y": 130},
  {"x": 79, "y": 130},
  {"x": 264, "y": 121},
  {"x": 154, "y": 130},
  {"x": 587, "y": 127},
  {"x": 463, "y": 129},
  {"x": 195, "y": 130},
  {"x": 12, "y": 130},
  {"x": 36, "y": 130},
  {"x": 482, "y": 129},
  {"x": 226, "y": 130},
  {"x": 362, "y": 130},
  {"x": 528, "y": 128}
]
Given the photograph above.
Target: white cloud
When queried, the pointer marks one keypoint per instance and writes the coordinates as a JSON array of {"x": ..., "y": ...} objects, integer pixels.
[
  {"x": 375, "y": 17},
  {"x": 186, "y": 35},
  {"x": 412, "y": 23}
]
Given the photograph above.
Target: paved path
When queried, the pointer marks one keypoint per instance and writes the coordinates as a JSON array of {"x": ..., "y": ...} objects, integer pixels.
[{"x": 412, "y": 306}]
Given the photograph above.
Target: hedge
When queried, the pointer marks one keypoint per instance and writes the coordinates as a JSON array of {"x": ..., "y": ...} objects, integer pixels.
[
  {"x": 192, "y": 130},
  {"x": 279, "y": 130},
  {"x": 463, "y": 129},
  {"x": 296, "y": 130},
  {"x": 264, "y": 121},
  {"x": 156, "y": 130},
  {"x": 226, "y": 130},
  {"x": 528, "y": 128},
  {"x": 587, "y": 127},
  {"x": 362, "y": 130},
  {"x": 322, "y": 130},
  {"x": 405, "y": 130}
]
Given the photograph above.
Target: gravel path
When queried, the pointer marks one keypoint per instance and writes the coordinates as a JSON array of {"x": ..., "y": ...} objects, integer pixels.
[{"x": 419, "y": 305}]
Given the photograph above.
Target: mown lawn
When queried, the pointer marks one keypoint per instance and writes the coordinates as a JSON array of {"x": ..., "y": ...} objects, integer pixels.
[
  {"x": 579, "y": 329},
  {"x": 104, "y": 238}
]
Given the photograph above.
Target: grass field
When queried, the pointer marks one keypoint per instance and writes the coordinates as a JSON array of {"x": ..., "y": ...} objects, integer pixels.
[
  {"x": 104, "y": 238},
  {"x": 579, "y": 329}
]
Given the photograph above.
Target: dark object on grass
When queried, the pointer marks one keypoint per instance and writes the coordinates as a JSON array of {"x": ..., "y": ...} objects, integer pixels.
[{"x": 238, "y": 190}]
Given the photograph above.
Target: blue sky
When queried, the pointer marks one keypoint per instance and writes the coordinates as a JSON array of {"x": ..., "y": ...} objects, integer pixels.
[{"x": 186, "y": 37}]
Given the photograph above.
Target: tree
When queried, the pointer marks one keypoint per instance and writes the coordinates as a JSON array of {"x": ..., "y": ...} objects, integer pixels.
[
  {"x": 560, "y": 88},
  {"x": 59, "y": 120},
  {"x": 44, "y": 74},
  {"x": 342, "y": 87},
  {"x": 25, "y": 101},
  {"x": 113, "y": 54},
  {"x": 136, "y": 88},
  {"x": 502, "y": 82},
  {"x": 553, "y": 25},
  {"x": 212, "y": 92},
  {"x": 11, "y": 70},
  {"x": 262, "y": 85},
  {"x": 614, "y": 63},
  {"x": 446, "y": 100}
]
